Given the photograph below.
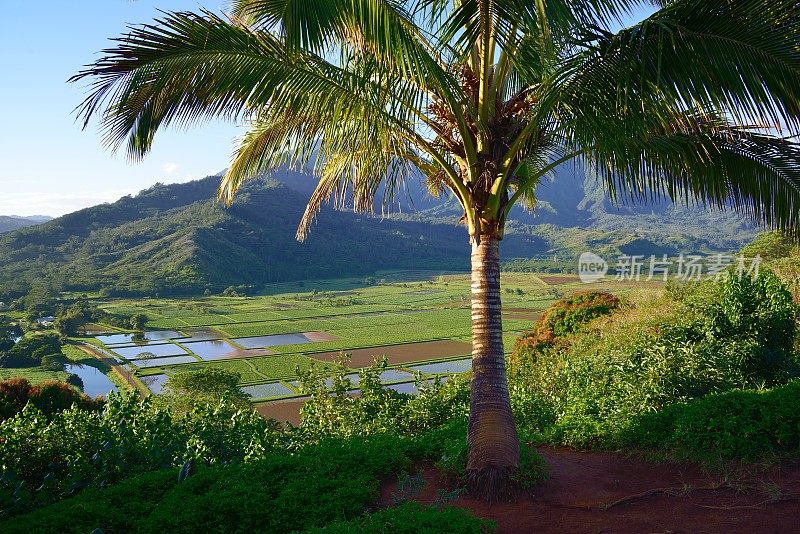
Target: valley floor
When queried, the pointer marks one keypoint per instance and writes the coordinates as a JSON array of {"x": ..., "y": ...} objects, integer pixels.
[
  {"x": 418, "y": 320},
  {"x": 604, "y": 492}
]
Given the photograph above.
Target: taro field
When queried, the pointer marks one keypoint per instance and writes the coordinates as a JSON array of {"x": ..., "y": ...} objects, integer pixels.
[{"x": 418, "y": 321}]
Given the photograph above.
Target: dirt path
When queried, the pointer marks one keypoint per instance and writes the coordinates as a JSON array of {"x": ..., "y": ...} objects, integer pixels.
[
  {"x": 609, "y": 493},
  {"x": 123, "y": 373}
]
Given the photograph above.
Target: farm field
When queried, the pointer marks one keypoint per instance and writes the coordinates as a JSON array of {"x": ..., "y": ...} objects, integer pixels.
[{"x": 419, "y": 321}]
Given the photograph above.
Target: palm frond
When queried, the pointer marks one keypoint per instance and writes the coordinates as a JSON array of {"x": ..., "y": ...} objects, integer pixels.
[
  {"x": 739, "y": 57},
  {"x": 188, "y": 67},
  {"x": 712, "y": 163}
]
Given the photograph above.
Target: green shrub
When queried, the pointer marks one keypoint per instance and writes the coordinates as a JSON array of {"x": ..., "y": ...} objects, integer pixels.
[
  {"x": 336, "y": 412},
  {"x": 52, "y": 363},
  {"x": 334, "y": 481},
  {"x": 685, "y": 343},
  {"x": 46, "y": 458},
  {"x": 562, "y": 318},
  {"x": 747, "y": 425},
  {"x": 187, "y": 389}
]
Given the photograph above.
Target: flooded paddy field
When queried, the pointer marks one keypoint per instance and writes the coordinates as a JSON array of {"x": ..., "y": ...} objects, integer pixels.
[
  {"x": 154, "y": 351},
  {"x": 419, "y": 320},
  {"x": 219, "y": 349}
]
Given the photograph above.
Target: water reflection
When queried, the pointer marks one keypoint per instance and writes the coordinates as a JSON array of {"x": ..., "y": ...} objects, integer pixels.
[{"x": 95, "y": 382}]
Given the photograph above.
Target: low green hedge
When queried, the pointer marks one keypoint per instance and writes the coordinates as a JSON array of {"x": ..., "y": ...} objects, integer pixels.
[{"x": 746, "y": 425}]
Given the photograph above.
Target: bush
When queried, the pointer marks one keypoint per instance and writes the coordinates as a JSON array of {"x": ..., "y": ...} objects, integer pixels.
[
  {"x": 335, "y": 412},
  {"x": 685, "y": 343},
  {"x": 44, "y": 459},
  {"x": 411, "y": 518},
  {"x": 332, "y": 481},
  {"x": 52, "y": 363},
  {"x": 562, "y": 318},
  {"x": 185, "y": 390},
  {"x": 736, "y": 425},
  {"x": 49, "y": 397}
]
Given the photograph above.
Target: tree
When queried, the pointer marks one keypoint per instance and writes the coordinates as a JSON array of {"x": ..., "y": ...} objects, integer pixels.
[
  {"x": 138, "y": 321},
  {"x": 69, "y": 321},
  {"x": 29, "y": 351},
  {"x": 483, "y": 98},
  {"x": 210, "y": 384}
]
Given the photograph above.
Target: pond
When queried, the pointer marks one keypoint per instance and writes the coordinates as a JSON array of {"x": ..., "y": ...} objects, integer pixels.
[
  {"x": 158, "y": 351},
  {"x": 453, "y": 367},
  {"x": 95, "y": 382},
  {"x": 200, "y": 334},
  {"x": 155, "y": 383},
  {"x": 140, "y": 338},
  {"x": 267, "y": 391},
  {"x": 173, "y": 360},
  {"x": 214, "y": 350},
  {"x": 411, "y": 387},
  {"x": 393, "y": 375}
]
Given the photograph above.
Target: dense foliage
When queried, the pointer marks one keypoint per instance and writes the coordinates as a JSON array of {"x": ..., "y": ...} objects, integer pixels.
[
  {"x": 46, "y": 458},
  {"x": 749, "y": 425},
  {"x": 328, "y": 469},
  {"x": 50, "y": 397},
  {"x": 664, "y": 349},
  {"x": 333, "y": 481},
  {"x": 29, "y": 351},
  {"x": 184, "y": 390},
  {"x": 781, "y": 254}
]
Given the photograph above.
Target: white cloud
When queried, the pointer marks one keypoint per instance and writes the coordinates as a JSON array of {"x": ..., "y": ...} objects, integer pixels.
[
  {"x": 169, "y": 167},
  {"x": 55, "y": 203}
]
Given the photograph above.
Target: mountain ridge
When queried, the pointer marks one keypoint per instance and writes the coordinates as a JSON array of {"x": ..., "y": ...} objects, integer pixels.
[
  {"x": 9, "y": 223},
  {"x": 176, "y": 239}
]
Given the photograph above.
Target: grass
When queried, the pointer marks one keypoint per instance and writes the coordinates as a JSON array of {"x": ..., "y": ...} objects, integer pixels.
[{"x": 34, "y": 375}]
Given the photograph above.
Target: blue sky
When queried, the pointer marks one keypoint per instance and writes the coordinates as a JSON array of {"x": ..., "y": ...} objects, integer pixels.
[{"x": 48, "y": 165}]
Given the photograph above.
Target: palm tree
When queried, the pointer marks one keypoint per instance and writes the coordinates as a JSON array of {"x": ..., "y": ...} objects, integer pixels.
[{"x": 697, "y": 102}]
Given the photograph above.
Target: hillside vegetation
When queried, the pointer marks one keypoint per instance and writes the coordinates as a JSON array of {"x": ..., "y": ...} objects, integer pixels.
[
  {"x": 703, "y": 371},
  {"x": 177, "y": 240}
]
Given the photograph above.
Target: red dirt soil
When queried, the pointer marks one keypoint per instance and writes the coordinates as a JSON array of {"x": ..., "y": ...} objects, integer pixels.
[
  {"x": 283, "y": 410},
  {"x": 522, "y": 314},
  {"x": 599, "y": 492},
  {"x": 405, "y": 353}
]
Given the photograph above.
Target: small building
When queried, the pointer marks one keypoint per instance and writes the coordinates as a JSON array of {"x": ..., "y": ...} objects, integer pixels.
[
  {"x": 46, "y": 321},
  {"x": 3, "y": 307}
]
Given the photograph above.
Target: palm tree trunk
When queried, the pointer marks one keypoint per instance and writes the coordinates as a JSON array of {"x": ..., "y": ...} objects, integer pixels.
[{"x": 492, "y": 435}]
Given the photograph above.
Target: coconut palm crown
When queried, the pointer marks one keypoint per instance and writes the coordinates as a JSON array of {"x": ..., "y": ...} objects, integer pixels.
[{"x": 698, "y": 102}]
